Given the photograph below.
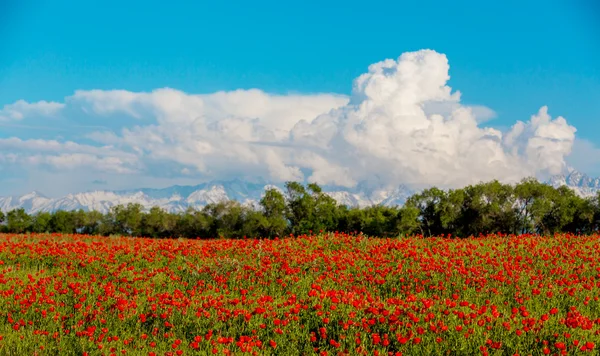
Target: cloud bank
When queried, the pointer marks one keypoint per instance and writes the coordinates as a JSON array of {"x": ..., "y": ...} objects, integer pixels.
[
  {"x": 21, "y": 109},
  {"x": 401, "y": 124}
]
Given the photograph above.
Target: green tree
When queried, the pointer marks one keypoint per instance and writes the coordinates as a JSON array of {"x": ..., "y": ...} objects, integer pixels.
[
  {"x": 487, "y": 207},
  {"x": 380, "y": 221},
  {"x": 450, "y": 211},
  {"x": 409, "y": 221},
  {"x": 127, "y": 219},
  {"x": 533, "y": 202},
  {"x": 299, "y": 209},
  {"x": 568, "y": 213},
  {"x": 79, "y": 219},
  {"x": 158, "y": 223},
  {"x": 310, "y": 209},
  {"x": 325, "y": 210},
  {"x": 584, "y": 217},
  {"x": 92, "y": 222},
  {"x": 430, "y": 217},
  {"x": 274, "y": 209},
  {"x": 193, "y": 223},
  {"x": 107, "y": 225},
  {"x": 227, "y": 218},
  {"x": 17, "y": 221},
  {"x": 595, "y": 205},
  {"x": 255, "y": 225},
  {"x": 63, "y": 222},
  {"x": 41, "y": 222}
]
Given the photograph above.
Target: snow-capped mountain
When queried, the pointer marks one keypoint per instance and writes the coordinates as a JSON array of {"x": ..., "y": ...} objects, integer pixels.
[
  {"x": 33, "y": 201},
  {"x": 179, "y": 198},
  {"x": 581, "y": 183}
]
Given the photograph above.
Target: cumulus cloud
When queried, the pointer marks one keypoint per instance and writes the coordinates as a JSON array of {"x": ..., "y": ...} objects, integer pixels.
[
  {"x": 225, "y": 133},
  {"x": 392, "y": 127},
  {"x": 277, "y": 113},
  {"x": 401, "y": 124},
  {"x": 22, "y": 109}
]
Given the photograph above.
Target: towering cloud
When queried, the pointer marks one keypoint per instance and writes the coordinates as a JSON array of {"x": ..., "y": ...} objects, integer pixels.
[{"x": 402, "y": 124}]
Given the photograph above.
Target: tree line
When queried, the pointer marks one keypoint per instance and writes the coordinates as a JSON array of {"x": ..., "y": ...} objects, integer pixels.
[{"x": 492, "y": 207}]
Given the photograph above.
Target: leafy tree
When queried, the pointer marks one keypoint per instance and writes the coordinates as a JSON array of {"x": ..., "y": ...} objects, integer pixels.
[
  {"x": 568, "y": 213},
  {"x": 41, "y": 222},
  {"x": 380, "y": 220},
  {"x": 274, "y": 210},
  {"x": 127, "y": 219},
  {"x": 63, "y": 222},
  {"x": 255, "y": 225},
  {"x": 325, "y": 210},
  {"x": 79, "y": 219},
  {"x": 310, "y": 210},
  {"x": 193, "y": 223},
  {"x": 409, "y": 221},
  {"x": 487, "y": 207},
  {"x": 428, "y": 204},
  {"x": 17, "y": 221},
  {"x": 533, "y": 202},
  {"x": 157, "y": 223},
  {"x": 299, "y": 208},
  {"x": 351, "y": 219},
  {"x": 529, "y": 206},
  {"x": 595, "y": 205},
  {"x": 227, "y": 218},
  {"x": 450, "y": 210},
  {"x": 92, "y": 222}
]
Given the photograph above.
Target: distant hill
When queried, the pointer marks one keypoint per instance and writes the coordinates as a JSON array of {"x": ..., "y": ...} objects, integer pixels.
[
  {"x": 581, "y": 183},
  {"x": 179, "y": 198}
]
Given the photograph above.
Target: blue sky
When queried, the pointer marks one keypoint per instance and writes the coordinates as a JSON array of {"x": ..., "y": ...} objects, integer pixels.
[{"x": 512, "y": 57}]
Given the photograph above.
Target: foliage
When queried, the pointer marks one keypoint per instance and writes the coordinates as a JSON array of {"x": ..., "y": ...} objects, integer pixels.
[
  {"x": 18, "y": 221},
  {"x": 527, "y": 207}
]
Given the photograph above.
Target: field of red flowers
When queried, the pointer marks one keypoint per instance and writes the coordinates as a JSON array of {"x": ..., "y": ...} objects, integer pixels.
[{"x": 324, "y": 294}]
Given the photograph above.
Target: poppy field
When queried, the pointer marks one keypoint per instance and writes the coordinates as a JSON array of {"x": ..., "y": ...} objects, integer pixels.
[{"x": 324, "y": 294}]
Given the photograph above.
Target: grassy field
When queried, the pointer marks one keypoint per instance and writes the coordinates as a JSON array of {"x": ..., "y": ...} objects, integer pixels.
[{"x": 323, "y": 294}]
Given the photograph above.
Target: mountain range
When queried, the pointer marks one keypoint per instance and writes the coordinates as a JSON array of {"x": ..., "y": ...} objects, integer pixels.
[
  {"x": 179, "y": 198},
  {"x": 582, "y": 184}
]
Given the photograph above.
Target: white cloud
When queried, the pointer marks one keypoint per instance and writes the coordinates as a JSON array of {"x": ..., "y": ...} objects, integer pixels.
[
  {"x": 21, "y": 109},
  {"x": 483, "y": 113},
  {"x": 66, "y": 156},
  {"x": 81, "y": 160},
  {"x": 392, "y": 129},
  {"x": 214, "y": 134},
  {"x": 402, "y": 124},
  {"x": 169, "y": 106},
  {"x": 15, "y": 143}
]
